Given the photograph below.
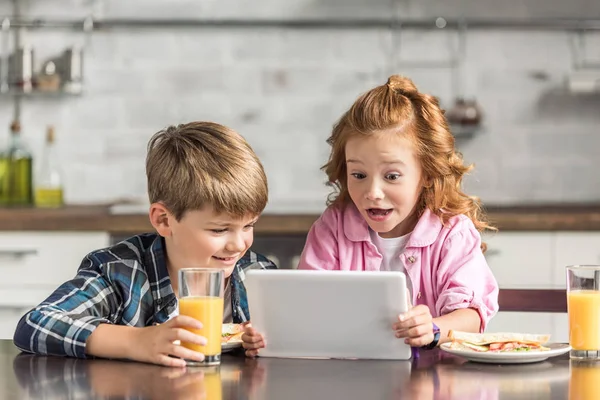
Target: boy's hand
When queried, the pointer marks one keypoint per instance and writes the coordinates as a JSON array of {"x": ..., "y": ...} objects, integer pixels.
[
  {"x": 416, "y": 326},
  {"x": 154, "y": 344},
  {"x": 252, "y": 341}
]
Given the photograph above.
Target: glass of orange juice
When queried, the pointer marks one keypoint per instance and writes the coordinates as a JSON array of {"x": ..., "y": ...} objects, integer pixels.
[
  {"x": 583, "y": 304},
  {"x": 201, "y": 297}
]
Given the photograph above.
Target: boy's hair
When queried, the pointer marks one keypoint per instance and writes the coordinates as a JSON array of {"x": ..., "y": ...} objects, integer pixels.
[
  {"x": 399, "y": 108},
  {"x": 200, "y": 164}
]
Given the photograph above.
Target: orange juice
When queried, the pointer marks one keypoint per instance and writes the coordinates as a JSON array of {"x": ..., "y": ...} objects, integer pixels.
[
  {"x": 584, "y": 319},
  {"x": 213, "y": 386},
  {"x": 585, "y": 381},
  {"x": 209, "y": 311}
]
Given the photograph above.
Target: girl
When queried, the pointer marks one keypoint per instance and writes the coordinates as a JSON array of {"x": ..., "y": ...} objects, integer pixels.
[{"x": 398, "y": 206}]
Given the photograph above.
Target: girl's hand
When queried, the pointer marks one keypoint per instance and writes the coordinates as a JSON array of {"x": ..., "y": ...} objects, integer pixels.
[
  {"x": 252, "y": 341},
  {"x": 416, "y": 326}
]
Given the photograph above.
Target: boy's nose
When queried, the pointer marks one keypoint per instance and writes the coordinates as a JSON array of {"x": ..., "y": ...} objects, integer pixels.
[{"x": 235, "y": 244}]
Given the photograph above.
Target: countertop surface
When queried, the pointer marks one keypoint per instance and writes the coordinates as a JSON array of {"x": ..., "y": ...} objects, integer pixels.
[
  {"x": 100, "y": 218},
  {"x": 432, "y": 375}
]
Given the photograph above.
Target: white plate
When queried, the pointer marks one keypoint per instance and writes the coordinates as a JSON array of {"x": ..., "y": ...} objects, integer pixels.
[
  {"x": 556, "y": 349},
  {"x": 225, "y": 347}
]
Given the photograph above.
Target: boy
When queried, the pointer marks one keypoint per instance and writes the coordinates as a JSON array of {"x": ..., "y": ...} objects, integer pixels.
[{"x": 206, "y": 188}]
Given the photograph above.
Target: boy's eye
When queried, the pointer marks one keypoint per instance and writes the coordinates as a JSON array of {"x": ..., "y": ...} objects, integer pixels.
[
  {"x": 218, "y": 230},
  {"x": 249, "y": 226},
  {"x": 358, "y": 175}
]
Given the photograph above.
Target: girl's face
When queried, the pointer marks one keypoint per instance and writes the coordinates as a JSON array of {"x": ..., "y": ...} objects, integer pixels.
[{"x": 384, "y": 182}]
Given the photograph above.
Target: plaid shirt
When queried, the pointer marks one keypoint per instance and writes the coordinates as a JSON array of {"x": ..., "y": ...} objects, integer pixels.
[{"x": 126, "y": 284}]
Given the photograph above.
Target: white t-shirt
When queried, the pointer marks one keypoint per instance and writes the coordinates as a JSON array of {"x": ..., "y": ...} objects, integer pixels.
[{"x": 391, "y": 249}]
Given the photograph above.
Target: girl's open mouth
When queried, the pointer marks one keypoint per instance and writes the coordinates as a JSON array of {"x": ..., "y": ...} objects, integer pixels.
[
  {"x": 378, "y": 214},
  {"x": 378, "y": 211}
]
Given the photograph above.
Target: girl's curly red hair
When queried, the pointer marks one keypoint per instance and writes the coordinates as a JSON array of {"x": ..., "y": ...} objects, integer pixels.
[{"x": 399, "y": 108}]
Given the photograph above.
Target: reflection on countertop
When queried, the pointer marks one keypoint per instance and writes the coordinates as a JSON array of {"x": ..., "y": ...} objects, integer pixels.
[{"x": 431, "y": 375}]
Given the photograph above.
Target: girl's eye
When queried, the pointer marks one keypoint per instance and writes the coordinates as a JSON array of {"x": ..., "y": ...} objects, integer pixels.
[
  {"x": 218, "y": 230},
  {"x": 358, "y": 175},
  {"x": 393, "y": 177}
]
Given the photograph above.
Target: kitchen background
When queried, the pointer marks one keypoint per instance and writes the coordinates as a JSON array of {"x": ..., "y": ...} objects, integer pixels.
[
  {"x": 283, "y": 89},
  {"x": 281, "y": 76}
]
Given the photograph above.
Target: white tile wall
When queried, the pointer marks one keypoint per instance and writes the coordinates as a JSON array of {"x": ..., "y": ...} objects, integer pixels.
[{"x": 284, "y": 89}]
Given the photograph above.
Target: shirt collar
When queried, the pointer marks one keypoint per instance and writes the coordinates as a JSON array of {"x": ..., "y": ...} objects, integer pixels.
[{"x": 158, "y": 274}]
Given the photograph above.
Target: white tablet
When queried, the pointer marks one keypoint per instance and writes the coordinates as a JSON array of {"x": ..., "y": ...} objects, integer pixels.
[{"x": 328, "y": 314}]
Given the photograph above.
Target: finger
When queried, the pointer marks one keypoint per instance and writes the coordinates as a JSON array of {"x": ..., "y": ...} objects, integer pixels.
[
  {"x": 252, "y": 353},
  {"x": 420, "y": 319},
  {"x": 187, "y": 354},
  {"x": 188, "y": 379},
  {"x": 417, "y": 310},
  {"x": 257, "y": 337},
  {"x": 249, "y": 330},
  {"x": 170, "y": 361},
  {"x": 401, "y": 333},
  {"x": 416, "y": 331},
  {"x": 184, "y": 321},
  {"x": 419, "y": 341},
  {"x": 172, "y": 373},
  {"x": 250, "y": 346},
  {"x": 186, "y": 336}
]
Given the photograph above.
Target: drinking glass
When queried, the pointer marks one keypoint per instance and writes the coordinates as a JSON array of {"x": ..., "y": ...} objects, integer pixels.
[
  {"x": 201, "y": 297},
  {"x": 583, "y": 305}
]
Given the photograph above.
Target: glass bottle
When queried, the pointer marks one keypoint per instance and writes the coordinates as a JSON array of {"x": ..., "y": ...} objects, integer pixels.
[
  {"x": 16, "y": 186},
  {"x": 49, "y": 180}
]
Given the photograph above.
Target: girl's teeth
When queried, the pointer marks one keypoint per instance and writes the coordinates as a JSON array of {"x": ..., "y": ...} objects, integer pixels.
[{"x": 378, "y": 211}]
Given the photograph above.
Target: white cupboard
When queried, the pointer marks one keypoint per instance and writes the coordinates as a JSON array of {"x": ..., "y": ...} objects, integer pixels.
[{"x": 32, "y": 264}]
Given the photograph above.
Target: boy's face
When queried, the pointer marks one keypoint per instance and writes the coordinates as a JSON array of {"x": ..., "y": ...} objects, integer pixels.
[
  {"x": 204, "y": 239},
  {"x": 384, "y": 182}
]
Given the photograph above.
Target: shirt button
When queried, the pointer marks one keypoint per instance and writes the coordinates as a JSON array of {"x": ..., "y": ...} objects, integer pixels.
[
  {"x": 159, "y": 301},
  {"x": 411, "y": 259}
]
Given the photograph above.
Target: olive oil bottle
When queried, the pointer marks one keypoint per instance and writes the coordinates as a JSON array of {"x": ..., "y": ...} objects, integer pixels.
[
  {"x": 49, "y": 180},
  {"x": 16, "y": 186}
]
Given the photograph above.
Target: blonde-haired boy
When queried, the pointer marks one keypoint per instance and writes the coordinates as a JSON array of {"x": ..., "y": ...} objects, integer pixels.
[{"x": 207, "y": 188}]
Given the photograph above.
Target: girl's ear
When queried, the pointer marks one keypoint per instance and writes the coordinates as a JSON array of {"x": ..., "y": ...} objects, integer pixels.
[{"x": 161, "y": 219}]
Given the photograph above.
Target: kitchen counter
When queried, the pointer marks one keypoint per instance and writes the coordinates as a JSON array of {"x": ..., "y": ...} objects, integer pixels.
[
  {"x": 99, "y": 218},
  {"x": 433, "y": 374}
]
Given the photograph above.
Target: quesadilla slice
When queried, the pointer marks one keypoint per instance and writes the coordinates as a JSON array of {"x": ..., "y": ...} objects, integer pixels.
[
  {"x": 232, "y": 333},
  {"x": 498, "y": 342}
]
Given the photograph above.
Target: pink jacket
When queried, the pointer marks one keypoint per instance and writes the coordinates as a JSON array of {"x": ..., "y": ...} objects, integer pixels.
[{"x": 444, "y": 263}]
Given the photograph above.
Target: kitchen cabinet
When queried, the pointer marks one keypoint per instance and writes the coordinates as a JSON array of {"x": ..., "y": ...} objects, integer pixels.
[
  {"x": 520, "y": 259},
  {"x": 574, "y": 248},
  {"x": 33, "y": 264},
  {"x": 538, "y": 259},
  {"x": 9, "y": 317},
  {"x": 555, "y": 324}
]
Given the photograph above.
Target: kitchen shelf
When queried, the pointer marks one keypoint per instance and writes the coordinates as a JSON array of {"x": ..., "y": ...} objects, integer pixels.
[
  {"x": 311, "y": 23},
  {"x": 465, "y": 131},
  {"x": 40, "y": 93}
]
